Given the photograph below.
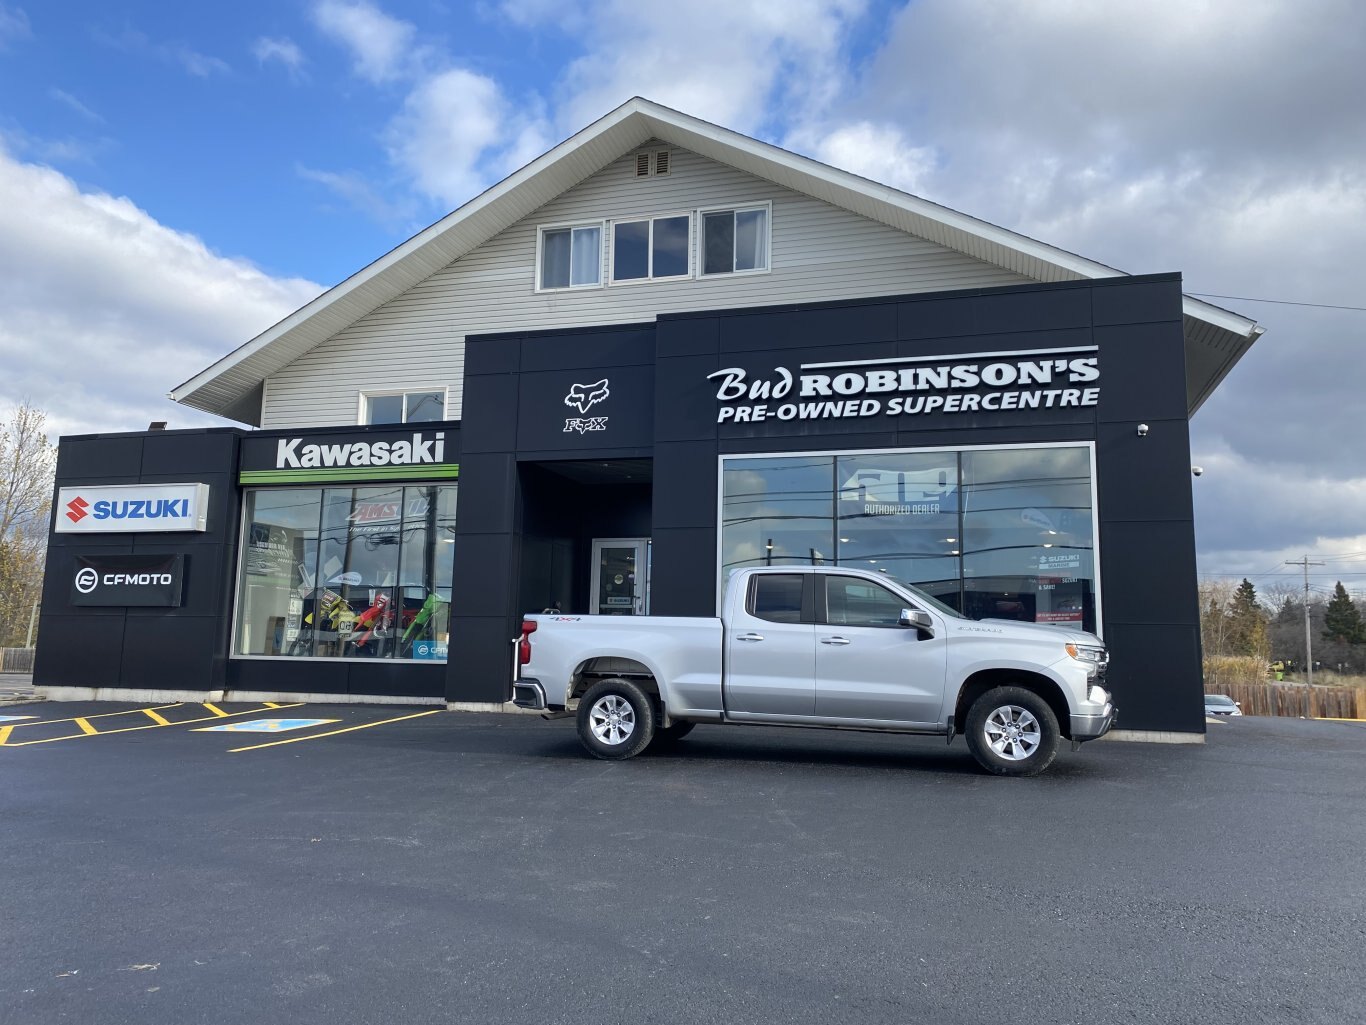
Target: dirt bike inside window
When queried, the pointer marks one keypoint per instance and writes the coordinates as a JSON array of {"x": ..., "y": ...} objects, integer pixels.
[{"x": 347, "y": 572}]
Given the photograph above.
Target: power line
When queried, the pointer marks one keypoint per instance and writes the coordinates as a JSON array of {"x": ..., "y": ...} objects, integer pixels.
[{"x": 1278, "y": 302}]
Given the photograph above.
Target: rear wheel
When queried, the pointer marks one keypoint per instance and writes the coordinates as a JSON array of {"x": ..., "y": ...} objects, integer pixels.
[
  {"x": 616, "y": 719},
  {"x": 1012, "y": 732}
]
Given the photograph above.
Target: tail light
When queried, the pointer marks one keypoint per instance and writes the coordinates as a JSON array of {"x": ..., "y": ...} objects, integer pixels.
[{"x": 524, "y": 645}]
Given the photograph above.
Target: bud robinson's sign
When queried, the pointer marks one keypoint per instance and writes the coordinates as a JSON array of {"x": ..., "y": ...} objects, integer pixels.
[{"x": 912, "y": 386}]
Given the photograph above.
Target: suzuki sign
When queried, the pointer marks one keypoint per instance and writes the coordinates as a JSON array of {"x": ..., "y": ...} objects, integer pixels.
[{"x": 133, "y": 509}]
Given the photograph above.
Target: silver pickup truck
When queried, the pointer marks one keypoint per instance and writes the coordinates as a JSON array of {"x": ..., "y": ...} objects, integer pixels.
[{"x": 822, "y": 647}]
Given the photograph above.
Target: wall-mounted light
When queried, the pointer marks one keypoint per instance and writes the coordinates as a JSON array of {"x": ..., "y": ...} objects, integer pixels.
[{"x": 1142, "y": 430}]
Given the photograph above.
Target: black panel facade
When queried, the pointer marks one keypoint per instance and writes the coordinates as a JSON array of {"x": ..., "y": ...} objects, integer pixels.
[{"x": 619, "y": 432}]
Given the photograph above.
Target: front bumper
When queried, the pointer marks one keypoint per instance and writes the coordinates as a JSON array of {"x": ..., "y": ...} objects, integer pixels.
[{"x": 1091, "y": 727}]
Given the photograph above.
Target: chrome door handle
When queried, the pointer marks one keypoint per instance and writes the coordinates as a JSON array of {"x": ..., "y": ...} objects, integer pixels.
[
  {"x": 834, "y": 640},
  {"x": 749, "y": 637}
]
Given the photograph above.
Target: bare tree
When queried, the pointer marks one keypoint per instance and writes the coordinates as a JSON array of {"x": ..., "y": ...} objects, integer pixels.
[{"x": 27, "y": 460}]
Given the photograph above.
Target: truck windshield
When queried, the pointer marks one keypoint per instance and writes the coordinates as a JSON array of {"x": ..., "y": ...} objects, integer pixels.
[{"x": 932, "y": 601}]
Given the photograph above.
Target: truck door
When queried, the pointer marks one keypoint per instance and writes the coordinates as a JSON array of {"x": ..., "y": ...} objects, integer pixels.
[
  {"x": 870, "y": 667},
  {"x": 770, "y": 650}
]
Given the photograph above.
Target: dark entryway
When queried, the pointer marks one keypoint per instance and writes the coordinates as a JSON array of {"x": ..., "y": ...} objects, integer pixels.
[{"x": 565, "y": 507}]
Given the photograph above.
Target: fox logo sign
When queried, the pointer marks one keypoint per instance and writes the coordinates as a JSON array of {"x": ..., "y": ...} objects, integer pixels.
[{"x": 583, "y": 397}]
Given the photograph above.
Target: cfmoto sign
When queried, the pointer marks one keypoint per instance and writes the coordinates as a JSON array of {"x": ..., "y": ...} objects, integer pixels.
[{"x": 128, "y": 580}]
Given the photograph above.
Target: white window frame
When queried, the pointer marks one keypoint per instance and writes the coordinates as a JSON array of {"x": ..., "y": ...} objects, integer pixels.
[
  {"x": 649, "y": 248},
  {"x": 363, "y": 407},
  {"x": 739, "y": 457},
  {"x": 735, "y": 208},
  {"x": 603, "y": 244}
]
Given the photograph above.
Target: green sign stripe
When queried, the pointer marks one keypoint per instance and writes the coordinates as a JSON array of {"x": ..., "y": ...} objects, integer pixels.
[{"x": 350, "y": 473}]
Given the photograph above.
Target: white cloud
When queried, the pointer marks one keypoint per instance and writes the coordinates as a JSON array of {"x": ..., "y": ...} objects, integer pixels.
[
  {"x": 734, "y": 62},
  {"x": 66, "y": 99},
  {"x": 383, "y": 47},
  {"x": 190, "y": 60},
  {"x": 13, "y": 24},
  {"x": 285, "y": 51},
  {"x": 877, "y": 151},
  {"x": 360, "y": 194},
  {"x": 106, "y": 310},
  {"x": 457, "y": 133}
]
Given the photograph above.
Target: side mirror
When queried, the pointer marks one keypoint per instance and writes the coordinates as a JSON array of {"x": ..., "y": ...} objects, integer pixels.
[{"x": 919, "y": 620}]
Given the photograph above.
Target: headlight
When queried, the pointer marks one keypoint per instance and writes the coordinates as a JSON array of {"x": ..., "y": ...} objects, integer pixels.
[{"x": 1095, "y": 658}]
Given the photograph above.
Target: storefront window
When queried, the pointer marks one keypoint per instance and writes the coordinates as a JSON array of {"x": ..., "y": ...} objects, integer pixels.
[
  {"x": 347, "y": 572},
  {"x": 994, "y": 533}
]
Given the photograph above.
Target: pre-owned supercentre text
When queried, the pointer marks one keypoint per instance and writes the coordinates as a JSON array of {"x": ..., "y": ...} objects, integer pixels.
[{"x": 957, "y": 387}]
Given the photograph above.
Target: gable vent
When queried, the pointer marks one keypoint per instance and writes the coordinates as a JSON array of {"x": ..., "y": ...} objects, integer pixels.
[
  {"x": 662, "y": 162},
  {"x": 642, "y": 165}
]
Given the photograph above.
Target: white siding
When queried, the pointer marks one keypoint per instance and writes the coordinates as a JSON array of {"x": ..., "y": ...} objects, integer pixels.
[{"x": 416, "y": 341}]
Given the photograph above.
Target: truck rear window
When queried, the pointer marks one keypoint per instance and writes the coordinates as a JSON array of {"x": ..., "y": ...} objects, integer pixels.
[{"x": 777, "y": 597}]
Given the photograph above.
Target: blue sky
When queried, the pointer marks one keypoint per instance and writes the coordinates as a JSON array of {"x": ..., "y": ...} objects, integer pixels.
[{"x": 176, "y": 177}]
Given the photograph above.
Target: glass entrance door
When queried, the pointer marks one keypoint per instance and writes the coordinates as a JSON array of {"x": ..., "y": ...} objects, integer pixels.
[{"x": 621, "y": 576}]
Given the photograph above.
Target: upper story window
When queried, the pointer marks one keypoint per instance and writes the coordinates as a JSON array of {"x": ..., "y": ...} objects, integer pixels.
[
  {"x": 571, "y": 256},
  {"x": 735, "y": 241},
  {"x": 651, "y": 248},
  {"x": 403, "y": 407}
]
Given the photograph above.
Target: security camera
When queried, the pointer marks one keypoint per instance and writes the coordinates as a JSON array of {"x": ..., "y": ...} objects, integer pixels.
[
  {"x": 1142, "y": 430},
  {"x": 1197, "y": 470}
]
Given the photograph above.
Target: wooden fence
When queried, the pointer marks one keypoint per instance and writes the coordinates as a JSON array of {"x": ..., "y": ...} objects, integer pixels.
[
  {"x": 1295, "y": 699},
  {"x": 16, "y": 660}
]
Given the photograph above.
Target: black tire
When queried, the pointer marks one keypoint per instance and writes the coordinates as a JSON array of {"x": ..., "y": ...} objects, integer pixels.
[
  {"x": 1012, "y": 732},
  {"x": 668, "y": 736},
  {"x": 616, "y": 719}
]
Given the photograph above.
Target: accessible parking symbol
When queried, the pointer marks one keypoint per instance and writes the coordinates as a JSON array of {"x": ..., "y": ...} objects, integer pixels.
[{"x": 263, "y": 726}]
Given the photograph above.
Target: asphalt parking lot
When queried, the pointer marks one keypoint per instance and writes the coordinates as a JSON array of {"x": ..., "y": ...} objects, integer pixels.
[{"x": 410, "y": 865}]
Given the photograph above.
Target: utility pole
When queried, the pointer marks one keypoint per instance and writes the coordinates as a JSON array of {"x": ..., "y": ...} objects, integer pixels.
[{"x": 1308, "y": 641}]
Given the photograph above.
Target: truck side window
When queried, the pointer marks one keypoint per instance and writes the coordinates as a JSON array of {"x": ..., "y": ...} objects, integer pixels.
[
  {"x": 854, "y": 602},
  {"x": 777, "y": 598}
]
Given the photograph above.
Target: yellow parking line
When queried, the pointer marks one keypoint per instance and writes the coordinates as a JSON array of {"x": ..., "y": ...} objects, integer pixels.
[
  {"x": 1329, "y": 718},
  {"x": 159, "y": 720},
  {"x": 216, "y": 710},
  {"x": 4, "y": 734},
  {"x": 101, "y": 715},
  {"x": 86, "y": 728},
  {"x": 333, "y": 733},
  {"x": 270, "y": 704},
  {"x": 132, "y": 729}
]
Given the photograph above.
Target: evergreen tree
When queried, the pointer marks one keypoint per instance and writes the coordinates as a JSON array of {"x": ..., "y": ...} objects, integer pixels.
[
  {"x": 1246, "y": 622},
  {"x": 1342, "y": 619}
]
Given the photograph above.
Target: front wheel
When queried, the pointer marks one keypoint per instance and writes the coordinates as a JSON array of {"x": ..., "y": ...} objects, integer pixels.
[
  {"x": 616, "y": 719},
  {"x": 1012, "y": 732}
]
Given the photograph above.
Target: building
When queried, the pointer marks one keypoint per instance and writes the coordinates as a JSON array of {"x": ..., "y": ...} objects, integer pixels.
[{"x": 657, "y": 352}]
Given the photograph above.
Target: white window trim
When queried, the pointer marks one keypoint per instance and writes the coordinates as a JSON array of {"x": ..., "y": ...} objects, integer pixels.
[
  {"x": 765, "y": 205},
  {"x": 541, "y": 229},
  {"x": 693, "y": 222},
  {"x": 362, "y": 406},
  {"x": 1090, "y": 446}
]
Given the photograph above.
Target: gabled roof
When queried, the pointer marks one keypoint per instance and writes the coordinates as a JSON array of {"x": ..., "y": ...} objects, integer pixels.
[{"x": 1216, "y": 338}]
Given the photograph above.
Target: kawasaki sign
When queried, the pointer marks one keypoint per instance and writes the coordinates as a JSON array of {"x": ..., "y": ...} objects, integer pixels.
[
  {"x": 132, "y": 509},
  {"x": 375, "y": 455}
]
